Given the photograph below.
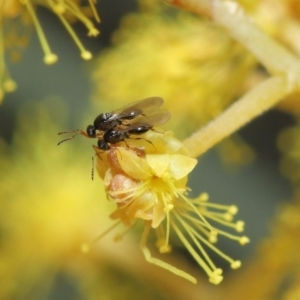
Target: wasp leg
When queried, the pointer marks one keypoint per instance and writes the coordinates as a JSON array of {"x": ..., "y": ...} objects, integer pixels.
[
  {"x": 93, "y": 160},
  {"x": 131, "y": 138}
]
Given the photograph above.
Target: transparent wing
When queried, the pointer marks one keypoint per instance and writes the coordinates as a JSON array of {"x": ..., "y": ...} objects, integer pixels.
[
  {"x": 144, "y": 106},
  {"x": 159, "y": 117}
]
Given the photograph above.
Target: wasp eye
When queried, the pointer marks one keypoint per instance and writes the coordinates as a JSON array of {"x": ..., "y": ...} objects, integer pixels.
[{"x": 91, "y": 131}]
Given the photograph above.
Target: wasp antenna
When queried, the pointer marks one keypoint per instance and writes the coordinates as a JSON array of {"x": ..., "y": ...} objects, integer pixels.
[
  {"x": 69, "y": 138},
  {"x": 93, "y": 161},
  {"x": 93, "y": 166},
  {"x": 70, "y": 131}
]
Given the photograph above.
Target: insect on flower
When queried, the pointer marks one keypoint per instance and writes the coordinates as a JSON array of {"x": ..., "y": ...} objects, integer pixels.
[
  {"x": 133, "y": 119},
  {"x": 146, "y": 180}
]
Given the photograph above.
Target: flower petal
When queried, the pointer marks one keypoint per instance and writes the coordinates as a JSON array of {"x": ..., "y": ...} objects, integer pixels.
[
  {"x": 181, "y": 165},
  {"x": 158, "y": 163},
  {"x": 133, "y": 165}
]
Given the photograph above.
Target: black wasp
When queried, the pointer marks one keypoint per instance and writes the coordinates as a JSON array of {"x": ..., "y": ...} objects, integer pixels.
[{"x": 133, "y": 119}]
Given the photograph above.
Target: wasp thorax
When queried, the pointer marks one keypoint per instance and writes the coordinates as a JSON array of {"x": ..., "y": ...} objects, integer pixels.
[
  {"x": 106, "y": 121},
  {"x": 102, "y": 118}
]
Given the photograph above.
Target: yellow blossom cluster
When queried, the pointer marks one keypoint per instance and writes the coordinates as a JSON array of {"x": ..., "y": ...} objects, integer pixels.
[
  {"x": 200, "y": 71},
  {"x": 146, "y": 178},
  {"x": 47, "y": 208},
  {"x": 195, "y": 66},
  {"x": 16, "y": 19},
  {"x": 192, "y": 64},
  {"x": 289, "y": 145}
]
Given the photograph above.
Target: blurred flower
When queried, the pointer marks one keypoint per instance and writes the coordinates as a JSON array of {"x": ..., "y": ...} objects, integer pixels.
[
  {"x": 235, "y": 152},
  {"x": 49, "y": 207},
  {"x": 17, "y": 18},
  {"x": 147, "y": 180},
  {"x": 289, "y": 145},
  {"x": 281, "y": 20},
  {"x": 197, "y": 68}
]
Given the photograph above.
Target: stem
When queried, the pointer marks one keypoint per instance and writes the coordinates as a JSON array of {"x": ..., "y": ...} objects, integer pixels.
[
  {"x": 276, "y": 58},
  {"x": 230, "y": 15},
  {"x": 284, "y": 66},
  {"x": 256, "y": 101}
]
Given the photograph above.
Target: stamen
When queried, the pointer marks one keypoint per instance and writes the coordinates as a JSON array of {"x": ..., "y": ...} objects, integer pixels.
[
  {"x": 190, "y": 232},
  {"x": 219, "y": 215},
  {"x": 161, "y": 240},
  {"x": 193, "y": 208},
  {"x": 131, "y": 193},
  {"x": 242, "y": 240},
  {"x": 200, "y": 225},
  {"x": 167, "y": 209},
  {"x": 49, "y": 57},
  {"x": 87, "y": 246},
  {"x": 95, "y": 13},
  {"x": 73, "y": 8},
  {"x": 202, "y": 198},
  {"x": 193, "y": 252},
  {"x": 158, "y": 262},
  {"x": 120, "y": 236},
  {"x": 237, "y": 226},
  {"x": 219, "y": 252},
  {"x": 232, "y": 209},
  {"x": 84, "y": 53},
  {"x": 58, "y": 8},
  {"x": 236, "y": 264}
]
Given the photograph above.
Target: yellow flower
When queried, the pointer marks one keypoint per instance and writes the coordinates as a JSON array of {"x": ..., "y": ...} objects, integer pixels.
[
  {"x": 48, "y": 209},
  {"x": 289, "y": 145},
  {"x": 147, "y": 180},
  {"x": 194, "y": 66},
  {"x": 16, "y": 18}
]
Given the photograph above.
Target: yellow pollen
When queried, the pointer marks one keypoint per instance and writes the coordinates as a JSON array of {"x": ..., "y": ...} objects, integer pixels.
[
  {"x": 216, "y": 276},
  {"x": 214, "y": 232},
  {"x": 236, "y": 264},
  {"x": 233, "y": 209},
  {"x": 213, "y": 239},
  {"x": 86, "y": 55},
  {"x": 165, "y": 249},
  {"x": 203, "y": 197},
  {"x": 213, "y": 236},
  {"x": 228, "y": 217},
  {"x": 168, "y": 208},
  {"x": 244, "y": 240},
  {"x": 93, "y": 32},
  {"x": 49, "y": 56},
  {"x": 58, "y": 8},
  {"x": 50, "y": 59},
  {"x": 239, "y": 226}
]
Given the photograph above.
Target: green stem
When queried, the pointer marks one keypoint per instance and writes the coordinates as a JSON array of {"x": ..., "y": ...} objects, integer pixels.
[{"x": 259, "y": 99}]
